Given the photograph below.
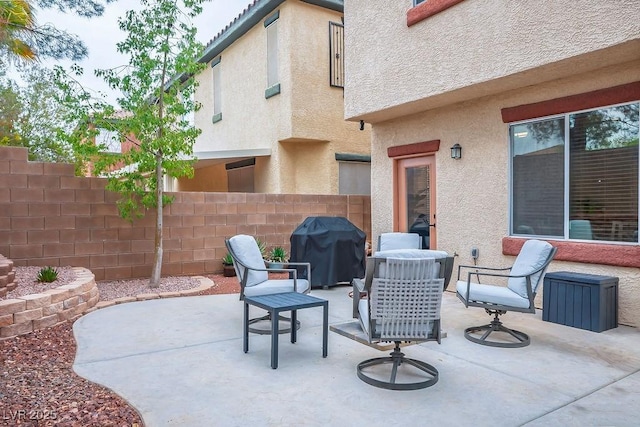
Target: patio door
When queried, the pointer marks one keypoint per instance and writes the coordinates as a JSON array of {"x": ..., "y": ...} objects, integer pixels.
[{"x": 415, "y": 201}]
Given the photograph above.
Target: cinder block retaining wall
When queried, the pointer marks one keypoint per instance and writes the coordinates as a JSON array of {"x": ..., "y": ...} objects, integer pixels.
[
  {"x": 7, "y": 274},
  {"x": 38, "y": 311},
  {"x": 48, "y": 216}
]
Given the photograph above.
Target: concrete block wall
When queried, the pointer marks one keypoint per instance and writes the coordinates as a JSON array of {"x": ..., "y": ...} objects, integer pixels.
[{"x": 48, "y": 216}]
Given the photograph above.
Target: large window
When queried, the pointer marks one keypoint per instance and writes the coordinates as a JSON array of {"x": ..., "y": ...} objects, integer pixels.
[{"x": 575, "y": 176}]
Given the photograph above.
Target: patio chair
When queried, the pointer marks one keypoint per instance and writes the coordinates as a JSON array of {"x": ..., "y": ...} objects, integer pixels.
[
  {"x": 253, "y": 276},
  {"x": 523, "y": 279},
  {"x": 398, "y": 240},
  {"x": 401, "y": 303},
  {"x": 442, "y": 269}
]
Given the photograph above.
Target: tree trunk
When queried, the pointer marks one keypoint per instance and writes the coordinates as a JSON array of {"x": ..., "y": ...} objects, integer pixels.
[{"x": 156, "y": 273}]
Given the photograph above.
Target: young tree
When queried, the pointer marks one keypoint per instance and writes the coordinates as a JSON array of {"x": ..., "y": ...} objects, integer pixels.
[
  {"x": 157, "y": 88},
  {"x": 21, "y": 37}
]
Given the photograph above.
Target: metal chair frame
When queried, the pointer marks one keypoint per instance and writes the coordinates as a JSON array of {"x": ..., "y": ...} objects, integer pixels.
[
  {"x": 242, "y": 272},
  {"x": 496, "y": 310},
  {"x": 404, "y": 306}
]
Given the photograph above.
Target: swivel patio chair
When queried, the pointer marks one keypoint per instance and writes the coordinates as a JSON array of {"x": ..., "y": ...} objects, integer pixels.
[
  {"x": 523, "y": 279},
  {"x": 253, "y": 276},
  {"x": 401, "y": 299}
]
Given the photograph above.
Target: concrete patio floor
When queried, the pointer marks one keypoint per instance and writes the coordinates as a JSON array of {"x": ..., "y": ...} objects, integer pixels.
[{"x": 179, "y": 361}]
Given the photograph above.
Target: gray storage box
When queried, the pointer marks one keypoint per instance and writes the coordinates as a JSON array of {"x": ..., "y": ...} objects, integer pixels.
[{"x": 585, "y": 301}]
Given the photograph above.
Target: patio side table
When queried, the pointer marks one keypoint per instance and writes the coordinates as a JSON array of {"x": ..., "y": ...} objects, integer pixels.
[{"x": 288, "y": 301}]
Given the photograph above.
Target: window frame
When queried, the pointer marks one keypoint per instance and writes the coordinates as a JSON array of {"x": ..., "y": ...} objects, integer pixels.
[
  {"x": 336, "y": 54},
  {"x": 566, "y": 173},
  {"x": 272, "y": 60},
  {"x": 344, "y": 159},
  {"x": 216, "y": 76}
]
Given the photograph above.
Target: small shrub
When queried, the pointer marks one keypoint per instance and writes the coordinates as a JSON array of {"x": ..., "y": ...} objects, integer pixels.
[{"x": 47, "y": 275}]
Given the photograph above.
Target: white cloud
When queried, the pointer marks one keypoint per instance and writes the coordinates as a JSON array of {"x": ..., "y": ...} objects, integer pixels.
[{"x": 101, "y": 34}]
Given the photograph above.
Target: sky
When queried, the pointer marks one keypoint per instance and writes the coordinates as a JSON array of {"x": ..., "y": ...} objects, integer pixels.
[{"x": 101, "y": 34}]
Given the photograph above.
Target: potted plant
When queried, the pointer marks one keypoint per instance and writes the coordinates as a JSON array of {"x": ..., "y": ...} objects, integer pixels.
[
  {"x": 277, "y": 257},
  {"x": 227, "y": 266}
]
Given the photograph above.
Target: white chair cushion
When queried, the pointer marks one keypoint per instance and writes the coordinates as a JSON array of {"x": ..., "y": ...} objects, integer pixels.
[
  {"x": 491, "y": 294},
  {"x": 247, "y": 251},
  {"x": 276, "y": 287},
  {"x": 532, "y": 256},
  {"x": 410, "y": 253},
  {"x": 399, "y": 241}
]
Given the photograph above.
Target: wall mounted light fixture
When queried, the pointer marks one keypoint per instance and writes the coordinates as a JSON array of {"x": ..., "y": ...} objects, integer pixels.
[
  {"x": 361, "y": 124},
  {"x": 456, "y": 151}
]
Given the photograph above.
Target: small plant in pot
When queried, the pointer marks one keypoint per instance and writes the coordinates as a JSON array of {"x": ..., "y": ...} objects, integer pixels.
[
  {"x": 227, "y": 266},
  {"x": 277, "y": 257}
]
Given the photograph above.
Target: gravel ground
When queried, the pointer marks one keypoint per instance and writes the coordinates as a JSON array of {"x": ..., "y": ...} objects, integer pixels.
[
  {"x": 37, "y": 384},
  {"x": 109, "y": 290},
  {"x": 27, "y": 284}
]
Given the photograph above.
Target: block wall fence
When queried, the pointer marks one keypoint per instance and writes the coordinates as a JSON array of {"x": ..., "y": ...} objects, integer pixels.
[{"x": 49, "y": 216}]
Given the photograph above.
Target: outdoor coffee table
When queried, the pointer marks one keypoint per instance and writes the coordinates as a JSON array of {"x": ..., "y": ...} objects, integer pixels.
[{"x": 288, "y": 301}]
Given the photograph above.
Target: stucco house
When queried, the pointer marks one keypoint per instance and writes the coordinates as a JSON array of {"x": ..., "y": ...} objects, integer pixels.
[
  {"x": 272, "y": 115},
  {"x": 542, "y": 99}
]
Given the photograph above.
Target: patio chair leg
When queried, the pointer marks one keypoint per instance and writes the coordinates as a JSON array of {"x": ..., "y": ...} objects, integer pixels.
[
  {"x": 396, "y": 359},
  {"x": 496, "y": 326}
]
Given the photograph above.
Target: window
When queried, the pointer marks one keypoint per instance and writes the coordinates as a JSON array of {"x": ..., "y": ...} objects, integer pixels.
[
  {"x": 240, "y": 176},
  {"x": 108, "y": 140},
  {"x": 273, "y": 80},
  {"x": 354, "y": 173},
  {"x": 217, "y": 90},
  {"x": 575, "y": 176},
  {"x": 417, "y": 2},
  {"x": 336, "y": 54}
]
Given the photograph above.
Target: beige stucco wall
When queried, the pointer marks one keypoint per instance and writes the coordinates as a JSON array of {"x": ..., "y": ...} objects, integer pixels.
[
  {"x": 474, "y": 49},
  {"x": 472, "y": 193},
  {"x": 303, "y": 126}
]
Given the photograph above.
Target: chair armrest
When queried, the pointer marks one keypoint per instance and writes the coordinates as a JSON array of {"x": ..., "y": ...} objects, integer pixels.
[
  {"x": 307, "y": 266},
  {"x": 477, "y": 267},
  {"x": 288, "y": 270},
  {"x": 479, "y": 271}
]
